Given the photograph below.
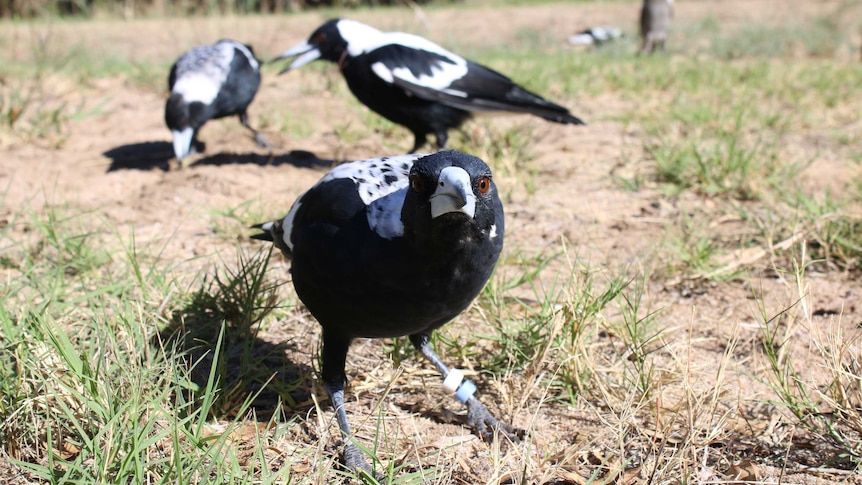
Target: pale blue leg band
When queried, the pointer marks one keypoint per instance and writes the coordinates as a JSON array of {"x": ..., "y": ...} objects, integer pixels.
[{"x": 465, "y": 391}]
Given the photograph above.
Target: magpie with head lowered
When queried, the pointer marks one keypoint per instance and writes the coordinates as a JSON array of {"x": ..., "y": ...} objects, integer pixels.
[
  {"x": 209, "y": 82},
  {"x": 414, "y": 82},
  {"x": 596, "y": 35},
  {"x": 390, "y": 247}
]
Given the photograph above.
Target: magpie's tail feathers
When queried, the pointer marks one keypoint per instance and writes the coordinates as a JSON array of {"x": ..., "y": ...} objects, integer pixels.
[
  {"x": 527, "y": 102},
  {"x": 564, "y": 118},
  {"x": 274, "y": 233},
  {"x": 263, "y": 236},
  {"x": 266, "y": 232},
  {"x": 546, "y": 110}
]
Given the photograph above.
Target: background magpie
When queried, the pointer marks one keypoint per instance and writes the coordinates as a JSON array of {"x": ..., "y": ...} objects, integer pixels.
[
  {"x": 596, "y": 35},
  {"x": 389, "y": 247},
  {"x": 208, "y": 82},
  {"x": 414, "y": 82}
]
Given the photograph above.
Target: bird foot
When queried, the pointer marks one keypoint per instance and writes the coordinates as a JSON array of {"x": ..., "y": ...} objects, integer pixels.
[
  {"x": 354, "y": 460},
  {"x": 486, "y": 426},
  {"x": 261, "y": 140}
]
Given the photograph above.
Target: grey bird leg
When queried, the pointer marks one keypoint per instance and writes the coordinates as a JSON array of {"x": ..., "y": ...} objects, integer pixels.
[
  {"x": 334, "y": 358},
  {"x": 442, "y": 138},
  {"x": 353, "y": 458},
  {"x": 258, "y": 136},
  {"x": 478, "y": 417},
  {"x": 419, "y": 141}
]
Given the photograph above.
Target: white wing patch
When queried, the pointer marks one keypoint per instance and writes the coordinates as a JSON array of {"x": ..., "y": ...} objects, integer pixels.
[
  {"x": 382, "y": 186},
  {"x": 362, "y": 39},
  {"x": 375, "y": 177},
  {"x": 442, "y": 75},
  {"x": 202, "y": 71},
  {"x": 384, "y": 214}
]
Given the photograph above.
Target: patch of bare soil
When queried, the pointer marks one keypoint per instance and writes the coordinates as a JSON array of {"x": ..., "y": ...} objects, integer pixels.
[{"x": 115, "y": 163}]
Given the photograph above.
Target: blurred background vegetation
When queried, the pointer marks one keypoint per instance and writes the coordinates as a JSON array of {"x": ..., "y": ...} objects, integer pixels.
[{"x": 27, "y": 9}]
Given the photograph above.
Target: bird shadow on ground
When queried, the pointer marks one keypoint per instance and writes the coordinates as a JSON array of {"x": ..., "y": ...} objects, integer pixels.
[
  {"x": 141, "y": 156},
  {"x": 296, "y": 158},
  {"x": 214, "y": 336},
  {"x": 159, "y": 155}
]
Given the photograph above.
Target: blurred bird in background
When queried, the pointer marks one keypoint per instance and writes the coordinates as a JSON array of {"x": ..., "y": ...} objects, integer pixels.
[
  {"x": 596, "y": 35},
  {"x": 209, "y": 82},
  {"x": 414, "y": 82}
]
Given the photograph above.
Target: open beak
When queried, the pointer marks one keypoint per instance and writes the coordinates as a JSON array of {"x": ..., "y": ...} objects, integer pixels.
[
  {"x": 453, "y": 194},
  {"x": 306, "y": 52},
  {"x": 183, "y": 142}
]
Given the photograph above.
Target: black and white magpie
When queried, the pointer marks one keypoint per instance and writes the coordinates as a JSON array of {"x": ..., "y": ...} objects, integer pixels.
[
  {"x": 596, "y": 35},
  {"x": 208, "y": 82},
  {"x": 389, "y": 247},
  {"x": 414, "y": 82}
]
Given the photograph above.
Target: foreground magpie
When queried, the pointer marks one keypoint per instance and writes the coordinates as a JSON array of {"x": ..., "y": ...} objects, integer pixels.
[
  {"x": 209, "y": 82},
  {"x": 389, "y": 247},
  {"x": 414, "y": 82}
]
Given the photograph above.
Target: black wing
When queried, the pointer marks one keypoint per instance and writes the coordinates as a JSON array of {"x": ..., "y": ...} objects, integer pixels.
[{"x": 460, "y": 83}]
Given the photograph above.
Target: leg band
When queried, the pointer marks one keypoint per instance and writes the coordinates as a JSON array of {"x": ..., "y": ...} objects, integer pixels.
[
  {"x": 465, "y": 392},
  {"x": 453, "y": 381}
]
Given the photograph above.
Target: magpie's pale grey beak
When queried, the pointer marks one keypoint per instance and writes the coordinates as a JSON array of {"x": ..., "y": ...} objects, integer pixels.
[
  {"x": 306, "y": 52},
  {"x": 454, "y": 193},
  {"x": 183, "y": 142}
]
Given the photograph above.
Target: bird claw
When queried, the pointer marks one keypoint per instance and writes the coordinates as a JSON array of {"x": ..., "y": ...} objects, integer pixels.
[
  {"x": 486, "y": 426},
  {"x": 354, "y": 460},
  {"x": 261, "y": 140}
]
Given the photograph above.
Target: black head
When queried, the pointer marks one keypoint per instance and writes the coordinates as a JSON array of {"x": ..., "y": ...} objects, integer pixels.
[
  {"x": 452, "y": 195},
  {"x": 180, "y": 114},
  {"x": 328, "y": 40},
  {"x": 183, "y": 119},
  {"x": 336, "y": 41}
]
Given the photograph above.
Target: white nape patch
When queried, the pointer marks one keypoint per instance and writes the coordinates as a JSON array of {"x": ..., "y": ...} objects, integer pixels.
[
  {"x": 362, "y": 39},
  {"x": 197, "y": 87},
  {"x": 201, "y": 71},
  {"x": 384, "y": 214},
  {"x": 493, "y": 232},
  {"x": 375, "y": 177}
]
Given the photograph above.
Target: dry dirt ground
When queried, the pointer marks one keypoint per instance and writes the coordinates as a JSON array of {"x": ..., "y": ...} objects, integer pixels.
[{"x": 114, "y": 163}]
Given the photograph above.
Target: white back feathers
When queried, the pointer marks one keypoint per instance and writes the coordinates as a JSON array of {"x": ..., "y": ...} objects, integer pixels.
[
  {"x": 381, "y": 184},
  {"x": 201, "y": 71}
]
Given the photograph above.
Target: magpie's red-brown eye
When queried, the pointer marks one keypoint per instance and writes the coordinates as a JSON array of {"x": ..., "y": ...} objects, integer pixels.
[
  {"x": 484, "y": 185},
  {"x": 418, "y": 184},
  {"x": 320, "y": 38}
]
